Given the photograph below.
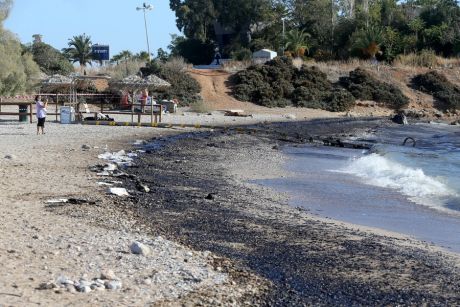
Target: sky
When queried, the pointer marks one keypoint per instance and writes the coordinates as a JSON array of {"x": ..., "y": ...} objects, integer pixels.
[{"x": 116, "y": 23}]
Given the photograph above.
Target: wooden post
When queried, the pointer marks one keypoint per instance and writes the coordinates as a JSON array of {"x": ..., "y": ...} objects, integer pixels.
[
  {"x": 31, "y": 112},
  {"x": 56, "y": 108},
  {"x": 132, "y": 112},
  {"x": 151, "y": 112},
  {"x": 161, "y": 112}
]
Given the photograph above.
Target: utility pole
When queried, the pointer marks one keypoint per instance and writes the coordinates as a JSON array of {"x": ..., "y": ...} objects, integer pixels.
[{"x": 146, "y": 7}]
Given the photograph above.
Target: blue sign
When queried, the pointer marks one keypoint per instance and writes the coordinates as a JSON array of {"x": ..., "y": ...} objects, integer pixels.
[{"x": 100, "y": 52}]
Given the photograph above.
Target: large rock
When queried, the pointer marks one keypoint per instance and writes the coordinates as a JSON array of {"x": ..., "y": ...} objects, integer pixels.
[
  {"x": 400, "y": 119},
  {"x": 139, "y": 248}
]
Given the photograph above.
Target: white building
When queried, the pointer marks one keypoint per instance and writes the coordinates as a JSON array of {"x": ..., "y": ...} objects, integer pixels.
[{"x": 264, "y": 55}]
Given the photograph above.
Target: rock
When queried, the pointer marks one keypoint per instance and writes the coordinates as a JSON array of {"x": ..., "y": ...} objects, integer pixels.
[
  {"x": 10, "y": 157},
  {"x": 290, "y": 116},
  {"x": 71, "y": 289},
  {"x": 47, "y": 286},
  {"x": 139, "y": 248},
  {"x": 147, "y": 281},
  {"x": 142, "y": 187},
  {"x": 118, "y": 191},
  {"x": 63, "y": 280},
  {"x": 113, "y": 285},
  {"x": 455, "y": 123},
  {"x": 400, "y": 119},
  {"x": 210, "y": 196},
  {"x": 108, "y": 274},
  {"x": 85, "y": 147}
]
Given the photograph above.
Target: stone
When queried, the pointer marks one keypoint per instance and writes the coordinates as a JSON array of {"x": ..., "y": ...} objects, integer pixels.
[
  {"x": 290, "y": 116},
  {"x": 47, "y": 286},
  {"x": 10, "y": 157},
  {"x": 400, "y": 119},
  {"x": 142, "y": 187},
  {"x": 85, "y": 147},
  {"x": 139, "y": 248},
  {"x": 118, "y": 191},
  {"x": 108, "y": 274},
  {"x": 147, "y": 281},
  {"x": 113, "y": 285}
]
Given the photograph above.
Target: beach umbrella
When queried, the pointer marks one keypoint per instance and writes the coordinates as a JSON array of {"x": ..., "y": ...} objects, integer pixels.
[
  {"x": 135, "y": 82},
  {"x": 56, "y": 82}
]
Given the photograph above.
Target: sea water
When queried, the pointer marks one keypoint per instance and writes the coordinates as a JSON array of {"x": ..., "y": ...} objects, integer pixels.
[{"x": 405, "y": 189}]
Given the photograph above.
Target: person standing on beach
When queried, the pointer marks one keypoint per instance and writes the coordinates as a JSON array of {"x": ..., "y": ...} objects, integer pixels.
[{"x": 41, "y": 113}]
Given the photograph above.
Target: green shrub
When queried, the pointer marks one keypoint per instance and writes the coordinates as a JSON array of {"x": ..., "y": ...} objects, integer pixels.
[
  {"x": 425, "y": 58},
  {"x": 365, "y": 87},
  {"x": 437, "y": 85},
  {"x": 242, "y": 54},
  {"x": 340, "y": 100},
  {"x": 183, "y": 86},
  {"x": 278, "y": 84}
]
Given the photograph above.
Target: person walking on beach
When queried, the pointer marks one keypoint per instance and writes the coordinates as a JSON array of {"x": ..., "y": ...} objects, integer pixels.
[{"x": 41, "y": 113}]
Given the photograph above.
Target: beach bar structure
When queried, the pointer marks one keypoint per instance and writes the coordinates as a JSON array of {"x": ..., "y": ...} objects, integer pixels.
[
  {"x": 100, "y": 103},
  {"x": 263, "y": 55}
]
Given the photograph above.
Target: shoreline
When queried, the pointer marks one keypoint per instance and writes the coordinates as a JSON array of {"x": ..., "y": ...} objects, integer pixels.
[
  {"x": 244, "y": 226},
  {"x": 214, "y": 208}
]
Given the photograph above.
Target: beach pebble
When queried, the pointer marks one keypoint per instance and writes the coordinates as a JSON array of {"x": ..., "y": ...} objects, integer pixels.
[
  {"x": 85, "y": 147},
  {"x": 108, "y": 274},
  {"x": 113, "y": 285},
  {"x": 47, "y": 286},
  {"x": 139, "y": 248},
  {"x": 118, "y": 191}
]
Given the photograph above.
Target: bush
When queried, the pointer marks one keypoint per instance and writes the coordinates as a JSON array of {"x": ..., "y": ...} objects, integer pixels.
[
  {"x": 194, "y": 51},
  {"x": 365, "y": 87},
  {"x": 437, "y": 85},
  {"x": 183, "y": 86},
  {"x": 242, "y": 54},
  {"x": 425, "y": 58},
  {"x": 278, "y": 84}
]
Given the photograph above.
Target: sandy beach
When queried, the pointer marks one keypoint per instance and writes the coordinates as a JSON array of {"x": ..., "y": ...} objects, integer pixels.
[{"x": 213, "y": 238}]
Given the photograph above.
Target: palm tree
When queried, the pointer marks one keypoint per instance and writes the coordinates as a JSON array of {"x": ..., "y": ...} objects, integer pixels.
[
  {"x": 79, "y": 50},
  {"x": 123, "y": 56},
  {"x": 368, "y": 41},
  {"x": 297, "y": 42}
]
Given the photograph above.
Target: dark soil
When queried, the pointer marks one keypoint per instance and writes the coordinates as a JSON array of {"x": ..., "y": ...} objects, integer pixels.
[{"x": 195, "y": 200}]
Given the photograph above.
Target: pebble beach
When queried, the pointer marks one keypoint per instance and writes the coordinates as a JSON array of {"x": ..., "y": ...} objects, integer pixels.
[{"x": 200, "y": 234}]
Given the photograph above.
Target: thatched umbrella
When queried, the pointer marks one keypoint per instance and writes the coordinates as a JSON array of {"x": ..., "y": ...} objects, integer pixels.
[
  {"x": 56, "y": 82},
  {"x": 135, "y": 83}
]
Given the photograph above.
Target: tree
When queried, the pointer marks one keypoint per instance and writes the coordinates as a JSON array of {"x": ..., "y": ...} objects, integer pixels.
[
  {"x": 18, "y": 72},
  {"x": 79, "y": 50},
  {"x": 297, "y": 42},
  {"x": 368, "y": 41},
  {"x": 49, "y": 59},
  {"x": 142, "y": 56},
  {"x": 124, "y": 56},
  {"x": 195, "y": 17}
]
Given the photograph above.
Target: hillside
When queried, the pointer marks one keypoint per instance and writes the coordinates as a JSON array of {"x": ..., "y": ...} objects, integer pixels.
[{"x": 216, "y": 91}]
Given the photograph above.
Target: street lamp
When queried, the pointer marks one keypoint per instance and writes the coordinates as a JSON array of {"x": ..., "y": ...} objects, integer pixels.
[
  {"x": 146, "y": 7},
  {"x": 284, "y": 36}
]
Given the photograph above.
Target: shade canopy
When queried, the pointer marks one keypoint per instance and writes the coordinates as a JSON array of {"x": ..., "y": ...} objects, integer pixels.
[{"x": 135, "y": 82}]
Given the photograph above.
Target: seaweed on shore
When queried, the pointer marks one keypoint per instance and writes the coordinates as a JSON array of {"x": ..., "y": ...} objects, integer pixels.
[
  {"x": 437, "y": 85},
  {"x": 278, "y": 84},
  {"x": 362, "y": 85}
]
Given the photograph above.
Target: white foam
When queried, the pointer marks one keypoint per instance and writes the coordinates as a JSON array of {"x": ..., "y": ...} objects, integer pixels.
[{"x": 413, "y": 182}]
